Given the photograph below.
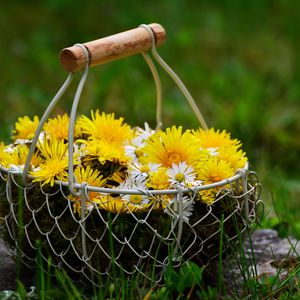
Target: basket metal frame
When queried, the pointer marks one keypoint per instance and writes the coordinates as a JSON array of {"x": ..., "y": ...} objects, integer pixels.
[{"x": 82, "y": 190}]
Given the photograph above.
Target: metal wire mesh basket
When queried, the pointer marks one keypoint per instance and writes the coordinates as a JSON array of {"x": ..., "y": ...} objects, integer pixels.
[{"x": 91, "y": 242}]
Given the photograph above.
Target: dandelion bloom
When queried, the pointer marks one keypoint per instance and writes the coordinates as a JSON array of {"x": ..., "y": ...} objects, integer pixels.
[
  {"x": 159, "y": 180},
  {"x": 105, "y": 127},
  {"x": 106, "y": 152},
  {"x": 25, "y": 128},
  {"x": 214, "y": 138},
  {"x": 116, "y": 204},
  {"x": 236, "y": 158},
  {"x": 55, "y": 163},
  {"x": 214, "y": 170},
  {"x": 58, "y": 127},
  {"x": 171, "y": 147}
]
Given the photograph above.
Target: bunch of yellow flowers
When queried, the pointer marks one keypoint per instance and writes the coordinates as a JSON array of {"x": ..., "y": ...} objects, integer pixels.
[{"x": 108, "y": 153}]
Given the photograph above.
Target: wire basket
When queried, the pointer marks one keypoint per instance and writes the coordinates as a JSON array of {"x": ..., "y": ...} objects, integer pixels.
[{"x": 93, "y": 242}]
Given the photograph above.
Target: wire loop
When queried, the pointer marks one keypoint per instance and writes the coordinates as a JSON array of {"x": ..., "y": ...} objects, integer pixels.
[{"x": 85, "y": 51}]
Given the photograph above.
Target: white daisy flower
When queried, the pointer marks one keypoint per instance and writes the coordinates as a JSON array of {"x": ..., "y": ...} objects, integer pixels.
[
  {"x": 9, "y": 149},
  {"x": 131, "y": 151},
  {"x": 137, "y": 170},
  {"x": 172, "y": 208},
  {"x": 16, "y": 169},
  {"x": 22, "y": 141},
  {"x": 79, "y": 150},
  {"x": 35, "y": 169},
  {"x": 143, "y": 135},
  {"x": 181, "y": 174},
  {"x": 132, "y": 183},
  {"x": 195, "y": 183},
  {"x": 42, "y": 136},
  {"x": 27, "y": 141}
]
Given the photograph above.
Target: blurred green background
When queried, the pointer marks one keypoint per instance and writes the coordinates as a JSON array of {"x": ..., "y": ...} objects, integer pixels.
[{"x": 239, "y": 59}]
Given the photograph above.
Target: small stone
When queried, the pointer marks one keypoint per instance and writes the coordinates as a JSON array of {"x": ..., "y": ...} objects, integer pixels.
[{"x": 273, "y": 256}]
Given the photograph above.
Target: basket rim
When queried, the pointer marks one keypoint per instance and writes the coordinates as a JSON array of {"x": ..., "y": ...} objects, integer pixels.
[{"x": 83, "y": 186}]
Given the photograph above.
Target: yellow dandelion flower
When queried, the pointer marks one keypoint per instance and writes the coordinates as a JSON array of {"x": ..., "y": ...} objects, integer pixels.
[
  {"x": 8, "y": 155},
  {"x": 2, "y": 154},
  {"x": 23, "y": 150},
  {"x": 92, "y": 178},
  {"x": 25, "y": 128},
  {"x": 55, "y": 162},
  {"x": 208, "y": 196},
  {"x": 214, "y": 138},
  {"x": 106, "y": 128},
  {"x": 162, "y": 201},
  {"x": 116, "y": 204},
  {"x": 58, "y": 127},
  {"x": 89, "y": 176},
  {"x": 159, "y": 180},
  {"x": 171, "y": 147},
  {"x": 15, "y": 156},
  {"x": 214, "y": 170},
  {"x": 106, "y": 152},
  {"x": 76, "y": 205},
  {"x": 116, "y": 177},
  {"x": 236, "y": 158},
  {"x": 211, "y": 171}
]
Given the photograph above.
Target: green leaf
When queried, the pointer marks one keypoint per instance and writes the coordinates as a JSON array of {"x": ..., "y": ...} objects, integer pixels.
[
  {"x": 190, "y": 275},
  {"x": 21, "y": 289},
  {"x": 171, "y": 279}
]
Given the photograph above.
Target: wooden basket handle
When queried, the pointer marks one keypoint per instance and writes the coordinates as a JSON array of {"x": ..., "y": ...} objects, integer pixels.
[{"x": 112, "y": 47}]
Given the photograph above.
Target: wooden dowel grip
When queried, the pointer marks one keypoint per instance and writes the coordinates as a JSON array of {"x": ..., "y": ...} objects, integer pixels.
[{"x": 112, "y": 47}]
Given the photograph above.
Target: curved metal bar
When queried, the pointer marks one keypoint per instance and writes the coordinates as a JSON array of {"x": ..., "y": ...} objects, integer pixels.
[
  {"x": 176, "y": 79},
  {"x": 158, "y": 89},
  {"x": 45, "y": 116},
  {"x": 141, "y": 192},
  {"x": 72, "y": 123}
]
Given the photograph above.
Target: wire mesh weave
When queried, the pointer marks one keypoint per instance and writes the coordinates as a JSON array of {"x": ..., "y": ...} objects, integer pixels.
[
  {"x": 91, "y": 244},
  {"x": 134, "y": 242}
]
